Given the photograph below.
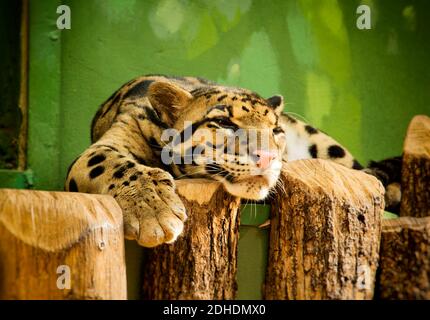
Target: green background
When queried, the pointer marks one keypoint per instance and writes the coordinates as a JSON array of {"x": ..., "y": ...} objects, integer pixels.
[{"x": 360, "y": 86}]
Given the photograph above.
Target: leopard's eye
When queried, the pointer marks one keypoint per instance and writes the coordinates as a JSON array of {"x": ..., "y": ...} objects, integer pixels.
[
  {"x": 278, "y": 130},
  {"x": 226, "y": 123}
]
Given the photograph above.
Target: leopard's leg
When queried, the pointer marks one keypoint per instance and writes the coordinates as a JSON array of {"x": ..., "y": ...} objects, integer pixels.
[
  {"x": 389, "y": 172},
  {"x": 153, "y": 212}
]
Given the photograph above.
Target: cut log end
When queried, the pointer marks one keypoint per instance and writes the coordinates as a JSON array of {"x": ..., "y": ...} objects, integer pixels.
[
  {"x": 416, "y": 169},
  {"x": 417, "y": 140},
  {"x": 58, "y": 245},
  {"x": 202, "y": 263},
  {"x": 325, "y": 233}
]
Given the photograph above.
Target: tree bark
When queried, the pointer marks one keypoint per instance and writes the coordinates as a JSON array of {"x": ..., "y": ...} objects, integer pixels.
[
  {"x": 404, "y": 271},
  {"x": 42, "y": 233},
  {"x": 416, "y": 169},
  {"x": 325, "y": 233},
  {"x": 202, "y": 263}
]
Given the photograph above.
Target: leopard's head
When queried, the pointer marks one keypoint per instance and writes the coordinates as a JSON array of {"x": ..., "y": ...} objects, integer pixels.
[{"x": 227, "y": 134}]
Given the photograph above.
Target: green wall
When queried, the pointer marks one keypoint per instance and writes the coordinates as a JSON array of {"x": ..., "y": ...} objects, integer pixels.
[{"x": 361, "y": 86}]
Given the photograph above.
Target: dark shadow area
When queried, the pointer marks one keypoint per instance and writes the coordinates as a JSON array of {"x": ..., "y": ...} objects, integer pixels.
[{"x": 10, "y": 116}]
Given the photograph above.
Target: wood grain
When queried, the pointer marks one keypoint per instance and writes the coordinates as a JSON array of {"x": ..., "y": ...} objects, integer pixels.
[
  {"x": 325, "y": 233},
  {"x": 415, "y": 184},
  {"x": 405, "y": 259},
  {"x": 202, "y": 263},
  {"x": 40, "y": 231}
]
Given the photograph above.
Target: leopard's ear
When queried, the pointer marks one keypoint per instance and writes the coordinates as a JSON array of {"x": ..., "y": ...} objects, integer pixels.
[
  {"x": 168, "y": 99},
  {"x": 168, "y": 95},
  {"x": 276, "y": 103}
]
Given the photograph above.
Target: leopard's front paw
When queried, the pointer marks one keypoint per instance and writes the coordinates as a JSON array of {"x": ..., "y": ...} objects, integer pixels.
[{"x": 153, "y": 212}]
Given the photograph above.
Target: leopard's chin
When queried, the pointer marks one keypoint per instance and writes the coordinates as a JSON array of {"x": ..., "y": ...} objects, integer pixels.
[{"x": 252, "y": 188}]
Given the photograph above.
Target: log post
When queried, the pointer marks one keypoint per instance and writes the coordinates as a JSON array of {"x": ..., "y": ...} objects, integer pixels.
[
  {"x": 404, "y": 271},
  {"x": 58, "y": 245},
  {"x": 202, "y": 263},
  {"x": 416, "y": 169},
  {"x": 325, "y": 233}
]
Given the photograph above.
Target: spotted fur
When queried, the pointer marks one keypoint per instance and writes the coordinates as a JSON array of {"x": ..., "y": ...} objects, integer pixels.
[{"x": 124, "y": 159}]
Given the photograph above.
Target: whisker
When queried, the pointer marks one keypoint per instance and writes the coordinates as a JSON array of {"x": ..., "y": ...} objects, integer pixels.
[
  {"x": 297, "y": 115},
  {"x": 191, "y": 174}
]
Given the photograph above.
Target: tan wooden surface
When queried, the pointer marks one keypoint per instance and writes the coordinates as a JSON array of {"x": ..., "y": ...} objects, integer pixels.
[
  {"x": 41, "y": 231},
  {"x": 325, "y": 232}
]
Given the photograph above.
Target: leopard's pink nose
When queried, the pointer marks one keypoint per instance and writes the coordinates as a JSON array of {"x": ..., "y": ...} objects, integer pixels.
[{"x": 264, "y": 158}]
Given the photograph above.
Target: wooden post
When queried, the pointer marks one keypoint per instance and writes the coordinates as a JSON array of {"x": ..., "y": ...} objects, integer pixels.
[
  {"x": 325, "y": 233},
  {"x": 405, "y": 246},
  {"x": 405, "y": 259},
  {"x": 47, "y": 236},
  {"x": 416, "y": 169},
  {"x": 202, "y": 263}
]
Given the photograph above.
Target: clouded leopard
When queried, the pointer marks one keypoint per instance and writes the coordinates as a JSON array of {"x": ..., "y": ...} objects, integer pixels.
[{"x": 127, "y": 158}]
